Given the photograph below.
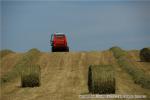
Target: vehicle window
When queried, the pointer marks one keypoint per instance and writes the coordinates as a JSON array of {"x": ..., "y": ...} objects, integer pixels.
[
  {"x": 59, "y": 36},
  {"x": 52, "y": 37}
]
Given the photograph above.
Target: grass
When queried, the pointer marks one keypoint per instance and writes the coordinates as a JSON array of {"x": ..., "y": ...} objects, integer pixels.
[
  {"x": 5, "y": 52},
  {"x": 29, "y": 57},
  {"x": 101, "y": 79},
  {"x": 30, "y": 76},
  {"x": 138, "y": 75},
  {"x": 118, "y": 52},
  {"x": 145, "y": 54}
]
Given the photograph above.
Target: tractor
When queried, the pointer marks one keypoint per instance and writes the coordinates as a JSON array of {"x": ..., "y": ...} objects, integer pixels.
[{"x": 59, "y": 42}]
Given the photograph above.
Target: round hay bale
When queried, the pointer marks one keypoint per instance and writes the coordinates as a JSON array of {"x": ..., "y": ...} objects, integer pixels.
[
  {"x": 101, "y": 79},
  {"x": 30, "y": 77},
  {"x": 145, "y": 54}
]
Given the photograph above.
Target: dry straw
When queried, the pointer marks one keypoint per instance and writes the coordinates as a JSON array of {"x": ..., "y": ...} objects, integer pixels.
[
  {"x": 101, "y": 79},
  {"x": 138, "y": 75},
  {"x": 145, "y": 54},
  {"x": 5, "y": 52},
  {"x": 29, "y": 57},
  {"x": 30, "y": 76}
]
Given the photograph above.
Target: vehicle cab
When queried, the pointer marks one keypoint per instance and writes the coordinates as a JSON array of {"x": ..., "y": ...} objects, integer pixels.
[{"x": 59, "y": 42}]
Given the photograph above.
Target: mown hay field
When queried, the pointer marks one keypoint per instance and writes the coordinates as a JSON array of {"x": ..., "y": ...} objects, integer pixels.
[
  {"x": 5, "y": 52},
  {"x": 134, "y": 58},
  {"x": 64, "y": 76},
  {"x": 29, "y": 57},
  {"x": 137, "y": 75}
]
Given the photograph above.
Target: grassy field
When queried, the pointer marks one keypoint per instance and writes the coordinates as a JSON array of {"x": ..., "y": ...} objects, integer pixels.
[
  {"x": 64, "y": 76},
  {"x": 134, "y": 58},
  {"x": 138, "y": 75}
]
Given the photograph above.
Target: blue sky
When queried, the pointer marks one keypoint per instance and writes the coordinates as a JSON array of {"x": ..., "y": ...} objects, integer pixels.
[{"x": 88, "y": 25}]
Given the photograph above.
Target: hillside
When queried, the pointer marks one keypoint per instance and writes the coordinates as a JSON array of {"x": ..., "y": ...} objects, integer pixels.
[{"x": 64, "y": 75}]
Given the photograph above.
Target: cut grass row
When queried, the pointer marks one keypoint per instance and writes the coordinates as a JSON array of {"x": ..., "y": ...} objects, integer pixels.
[
  {"x": 29, "y": 57},
  {"x": 138, "y": 75},
  {"x": 5, "y": 52}
]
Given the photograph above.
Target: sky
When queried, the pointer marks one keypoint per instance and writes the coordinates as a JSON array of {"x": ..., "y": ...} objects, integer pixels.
[{"x": 89, "y": 25}]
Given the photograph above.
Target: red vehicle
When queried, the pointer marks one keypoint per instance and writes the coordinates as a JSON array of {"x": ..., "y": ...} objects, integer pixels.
[{"x": 59, "y": 42}]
